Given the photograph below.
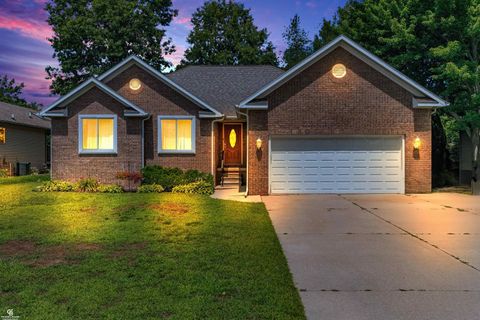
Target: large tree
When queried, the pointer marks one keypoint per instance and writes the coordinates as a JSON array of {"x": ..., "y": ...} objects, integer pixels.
[
  {"x": 298, "y": 44},
  {"x": 224, "y": 34},
  {"x": 89, "y": 36},
  {"x": 11, "y": 92},
  {"x": 457, "y": 24}
]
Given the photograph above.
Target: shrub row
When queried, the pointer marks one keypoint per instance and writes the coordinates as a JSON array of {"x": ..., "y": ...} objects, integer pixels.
[
  {"x": 155, "y": 179},
  {"x": 198, "y": 187},
  {"x": 84, "y": 185},
  {"x": 170, "y": 178}
]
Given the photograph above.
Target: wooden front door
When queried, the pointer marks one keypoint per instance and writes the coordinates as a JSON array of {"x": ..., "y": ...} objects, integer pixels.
[{"x": 232, "y": 144}]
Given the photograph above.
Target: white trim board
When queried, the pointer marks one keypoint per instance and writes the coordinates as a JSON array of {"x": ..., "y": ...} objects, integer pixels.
[
  {"x": 81, "y": 89},
  {"x": 361, "y": 53},
  {"x": 111, "y": 73}
]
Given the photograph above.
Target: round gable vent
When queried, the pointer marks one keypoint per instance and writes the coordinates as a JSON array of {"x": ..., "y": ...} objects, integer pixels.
[{"x": 339, "y": 70}]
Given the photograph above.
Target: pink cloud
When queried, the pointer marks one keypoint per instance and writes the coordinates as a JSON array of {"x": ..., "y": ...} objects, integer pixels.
[
  {"x": 185, "y": 21},
  {"x": 311, "y": 4},
  {"x": 32, "y": 29}
]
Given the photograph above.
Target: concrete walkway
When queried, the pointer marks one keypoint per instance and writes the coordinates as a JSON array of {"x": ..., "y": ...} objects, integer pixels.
[
  {"x": 234, "y": 195},
  {"x": 382, "y": 256}
]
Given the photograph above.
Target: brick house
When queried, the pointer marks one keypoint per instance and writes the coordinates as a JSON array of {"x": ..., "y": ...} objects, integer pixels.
[{"x": 341, "y": 121}]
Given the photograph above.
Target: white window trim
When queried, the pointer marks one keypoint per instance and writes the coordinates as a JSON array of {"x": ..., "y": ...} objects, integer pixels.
[
  {"x": 80, "y": 134},
  {"x": 159, "y": 134}
]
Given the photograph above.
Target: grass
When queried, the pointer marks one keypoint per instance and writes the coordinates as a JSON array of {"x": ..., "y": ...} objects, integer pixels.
[{"x": 139, "y": 256}]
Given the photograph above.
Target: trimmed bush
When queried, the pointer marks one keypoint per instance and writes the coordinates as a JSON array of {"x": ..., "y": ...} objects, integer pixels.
[
  {"x": 109, "y": 188},
  {"x": 197, "y": 187},
  {"x": 87, "y": 185},
  {"x": 3, "y": 173},
  {"x": 149, "y": 188},
  {"x": 172, "y": 177},
  {"x": 56, "y": 185}
]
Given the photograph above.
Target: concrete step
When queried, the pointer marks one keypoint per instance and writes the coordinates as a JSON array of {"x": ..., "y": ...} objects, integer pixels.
[
  {"x": 231, "y": 180},
  {"x": 232, "y": 175}
]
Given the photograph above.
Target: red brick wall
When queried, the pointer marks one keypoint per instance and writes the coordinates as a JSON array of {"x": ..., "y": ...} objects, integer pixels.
[
  {"x": 68, "y": 164},
  {"x": 156, "y": 98},
  {"x": 364, "y": 102}
]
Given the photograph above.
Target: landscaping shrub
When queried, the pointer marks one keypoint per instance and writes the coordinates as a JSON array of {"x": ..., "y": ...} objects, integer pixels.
[
  {"x": 3, "y": 173},
  {"x": 87, "y": 185},
  {"x": 109, "y": 188},
  {"x": 149, "y": 188},
  {"x": 172, "y": 177},
  {"x": 198, "y": 187},
  {"x": 56, "y": 185}
]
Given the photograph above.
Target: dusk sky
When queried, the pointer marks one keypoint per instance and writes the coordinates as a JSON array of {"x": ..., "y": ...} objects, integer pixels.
[{"x": 25, "y": 51}]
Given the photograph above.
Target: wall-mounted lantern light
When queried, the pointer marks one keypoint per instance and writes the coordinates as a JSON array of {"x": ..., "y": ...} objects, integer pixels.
[
  {"x": 339, "y": 71},
  {"x": 135, "y": 84},
  {"x": 259, "y": 144},
  {"x": 417, "y": 143}
]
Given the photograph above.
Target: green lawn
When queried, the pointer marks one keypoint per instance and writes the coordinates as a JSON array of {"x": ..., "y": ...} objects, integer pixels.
[{"x": 139, "y": 256}]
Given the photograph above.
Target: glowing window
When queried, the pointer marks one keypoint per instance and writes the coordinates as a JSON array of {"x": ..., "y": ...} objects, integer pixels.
[
  {"x": 3, "y": 135},
  {"x": 233, "y": 138},
  {"x": 97, "y": 134},
  {"x": 176, "y": 134},
  {"x": 339, "y": 70}
]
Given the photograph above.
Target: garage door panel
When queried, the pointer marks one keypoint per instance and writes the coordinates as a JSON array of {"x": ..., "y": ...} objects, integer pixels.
[{"x": 366, "y": 165}]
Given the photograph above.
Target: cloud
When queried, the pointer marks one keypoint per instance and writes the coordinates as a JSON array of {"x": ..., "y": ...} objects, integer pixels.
[
  {"x": 183, "y": 21},
  {"x": 311, "y": 4},
  {"x": 26, "y": 28}
]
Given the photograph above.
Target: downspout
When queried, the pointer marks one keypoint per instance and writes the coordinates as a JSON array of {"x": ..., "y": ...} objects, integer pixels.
[
  {"x": 143, "y": 139},
  {"x": 246, "y": 172},
  {"x": 213, "y": 144}
]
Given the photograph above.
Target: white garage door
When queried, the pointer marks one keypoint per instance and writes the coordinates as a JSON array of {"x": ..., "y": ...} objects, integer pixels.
[{"x": 336, "y": 165}]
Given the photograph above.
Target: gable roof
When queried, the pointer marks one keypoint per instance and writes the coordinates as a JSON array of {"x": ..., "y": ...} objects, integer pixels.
[
  {"x": 84, "y": 87},
  {"x": 122, "y": 66},
  {"x": 224, "y": 87},
  {"x": 361, "y": 53},
  {"x": 10, "y": 113}
]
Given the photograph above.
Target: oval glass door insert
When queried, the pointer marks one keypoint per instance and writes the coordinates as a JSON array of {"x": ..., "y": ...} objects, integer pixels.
[{"x": 233, "y": 138}]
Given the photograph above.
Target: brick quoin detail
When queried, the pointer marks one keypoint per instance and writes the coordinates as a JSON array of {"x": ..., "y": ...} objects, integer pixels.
[{"x": 364, "y": 102}]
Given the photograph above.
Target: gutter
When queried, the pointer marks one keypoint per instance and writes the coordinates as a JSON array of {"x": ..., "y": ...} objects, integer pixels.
[
  {"x": 246, "y": 172},
  {"x": 143, "y": 139}
]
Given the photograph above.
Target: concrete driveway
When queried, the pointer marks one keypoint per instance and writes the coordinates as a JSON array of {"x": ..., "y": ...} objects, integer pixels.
[{"x": 382, "y": 256}]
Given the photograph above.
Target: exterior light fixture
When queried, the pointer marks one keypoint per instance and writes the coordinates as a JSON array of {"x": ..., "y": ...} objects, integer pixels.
[
  {"x": 135, "y": 84},
  {"x": 259, "y": 144},
  {"x": 339, "y": 71},
  {"x": 417, "y": 143}
]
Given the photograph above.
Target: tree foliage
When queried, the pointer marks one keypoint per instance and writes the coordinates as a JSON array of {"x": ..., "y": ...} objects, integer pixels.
[
  {"x": 224, "y": 33},
  {"x": 90, "y": 36},
  {"x": 298, "y": 43},
  {"x": 10, "y": 92}
]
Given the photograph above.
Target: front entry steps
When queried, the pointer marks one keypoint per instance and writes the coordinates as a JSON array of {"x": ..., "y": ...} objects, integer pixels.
[{"x": 231, "y": 178}]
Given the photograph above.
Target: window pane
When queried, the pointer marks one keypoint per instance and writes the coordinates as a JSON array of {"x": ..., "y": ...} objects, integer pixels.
[
  {"x": 184, "y": 141},
  {"x": 89, "y": 133},
  {"x": 3, "y": 137},
  {"x": 105, "y": 134},
  {"x": 169, "y": 133}
]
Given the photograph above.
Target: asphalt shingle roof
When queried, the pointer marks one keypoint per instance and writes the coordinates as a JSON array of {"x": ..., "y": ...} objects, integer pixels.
[
  {"x": 22, "y": 116},
  {"x": 223, "y": 87}
]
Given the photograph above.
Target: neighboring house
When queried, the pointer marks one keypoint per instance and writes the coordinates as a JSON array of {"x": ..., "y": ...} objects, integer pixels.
[
  {"x": 341, "y": 121},
  {"x": 23, "y": 136}
]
